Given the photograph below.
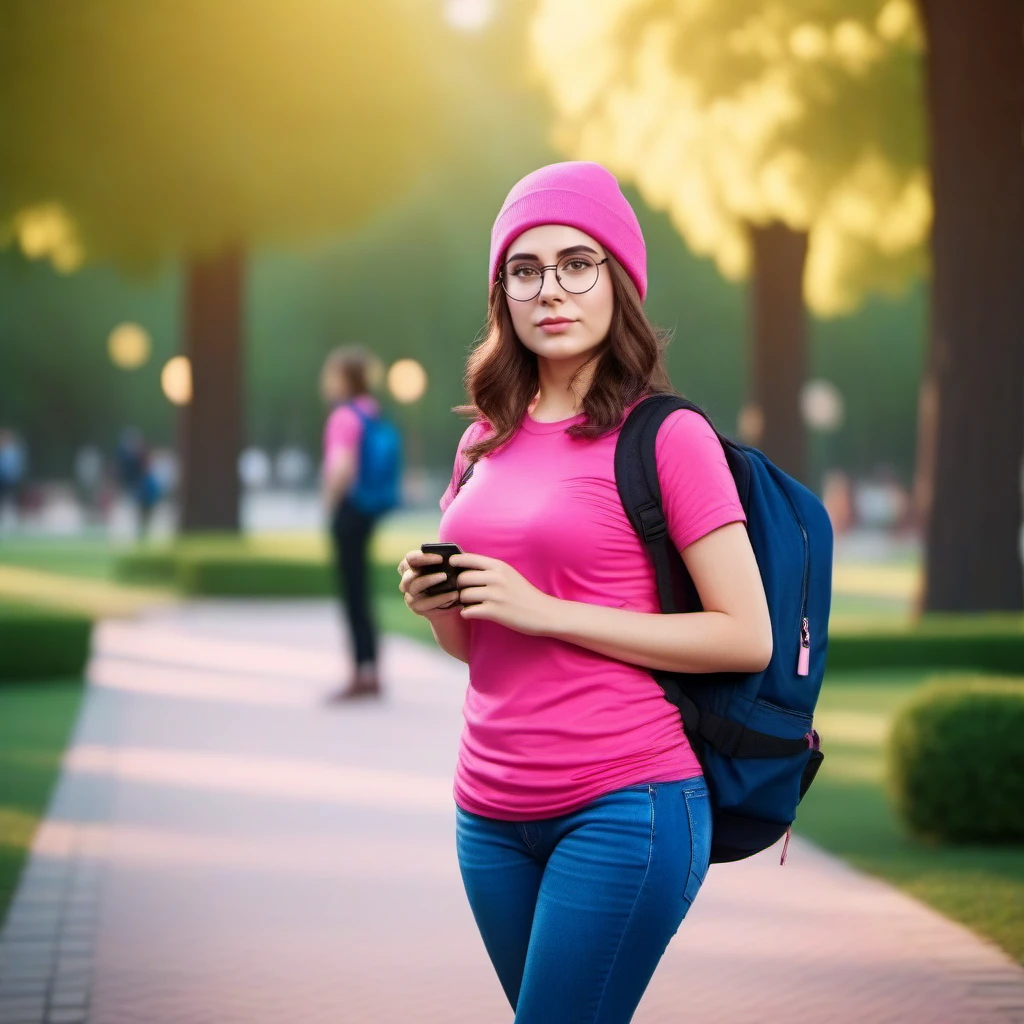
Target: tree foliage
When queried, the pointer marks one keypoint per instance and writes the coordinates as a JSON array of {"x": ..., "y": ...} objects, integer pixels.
[
  {"x": 728, "y": 113},
  {"x": 135, "y": 131}
]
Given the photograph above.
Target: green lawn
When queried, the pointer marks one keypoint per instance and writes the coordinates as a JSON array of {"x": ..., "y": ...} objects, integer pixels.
[
  {"x": 847, "y": 812},
  {"x": 35, "y": 722},
  {"x": 92, "y": 558}
]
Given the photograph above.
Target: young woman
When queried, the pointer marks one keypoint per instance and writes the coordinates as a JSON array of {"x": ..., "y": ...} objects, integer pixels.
[
  {"x": 345, "y": 388},
  {"x": 583, "y": 825}
]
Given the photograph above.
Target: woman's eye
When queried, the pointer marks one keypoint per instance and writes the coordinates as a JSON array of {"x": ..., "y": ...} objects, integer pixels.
[
  {"x": 576, "y": 265},
  {"x": 524, "y": 270}
]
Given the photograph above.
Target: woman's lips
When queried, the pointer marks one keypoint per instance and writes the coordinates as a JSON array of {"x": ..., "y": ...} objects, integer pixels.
[{"x": 556, "y": 326}]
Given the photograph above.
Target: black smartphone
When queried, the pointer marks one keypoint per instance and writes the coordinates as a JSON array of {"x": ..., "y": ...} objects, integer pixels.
[{"x": 445, "y": 549}]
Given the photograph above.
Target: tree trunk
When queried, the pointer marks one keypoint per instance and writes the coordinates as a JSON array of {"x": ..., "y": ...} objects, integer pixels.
[
  {"x": 212, "y": 424},
  {"x": 975, "y": 69},
  {"x": 779, "y": 357}
]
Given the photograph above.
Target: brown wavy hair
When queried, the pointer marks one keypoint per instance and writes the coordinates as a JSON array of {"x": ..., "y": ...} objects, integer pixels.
[{"x": 502, "y": 378}]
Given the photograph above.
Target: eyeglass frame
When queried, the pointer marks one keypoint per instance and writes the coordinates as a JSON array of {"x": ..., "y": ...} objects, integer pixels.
[{"x": 554, "y": 267}]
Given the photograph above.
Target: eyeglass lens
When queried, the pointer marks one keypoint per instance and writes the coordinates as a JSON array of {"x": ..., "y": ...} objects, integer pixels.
[{"x": 523, "y": 279}]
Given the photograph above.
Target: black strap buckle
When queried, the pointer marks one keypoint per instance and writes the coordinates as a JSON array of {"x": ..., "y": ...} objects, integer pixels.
[{"x": 652, "y": 522}]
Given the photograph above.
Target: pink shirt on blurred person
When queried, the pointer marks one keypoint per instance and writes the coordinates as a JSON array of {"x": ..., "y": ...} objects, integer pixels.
[
  {"x": 549, "y": 725},
  {"x": 343, "y": 431}
]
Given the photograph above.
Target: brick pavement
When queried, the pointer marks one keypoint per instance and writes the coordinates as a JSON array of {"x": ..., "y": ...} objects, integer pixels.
[{"x": 223, "y": 848}]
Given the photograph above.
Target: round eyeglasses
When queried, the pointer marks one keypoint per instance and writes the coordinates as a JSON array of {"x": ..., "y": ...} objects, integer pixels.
[{"x": 523, "y": 280}]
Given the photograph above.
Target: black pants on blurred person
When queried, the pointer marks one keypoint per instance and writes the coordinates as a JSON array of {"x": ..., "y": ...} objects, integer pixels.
[{"x": 351, "y": 532}]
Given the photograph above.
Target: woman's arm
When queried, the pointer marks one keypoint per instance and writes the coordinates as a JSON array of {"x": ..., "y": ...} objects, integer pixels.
[
  {"x": 451, "y": 632},
  {"x": 338, "y": 477},
  {"x": 732, "y": 634}
]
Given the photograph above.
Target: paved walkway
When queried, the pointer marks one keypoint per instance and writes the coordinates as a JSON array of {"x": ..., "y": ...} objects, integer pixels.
[{"x": 222, "y": 848}]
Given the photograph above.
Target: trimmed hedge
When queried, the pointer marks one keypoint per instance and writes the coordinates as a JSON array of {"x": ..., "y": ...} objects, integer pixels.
[
  {"x": 956, "y": 761},
  {"x": 986, "y": 643},
  {"x": 997, "y": 653},
  {"x": 246, "y": 576},
  {"x": 211, "y": 572},
  {"x": 37, "y": 643},
  {"x": 147, "y": 567}
]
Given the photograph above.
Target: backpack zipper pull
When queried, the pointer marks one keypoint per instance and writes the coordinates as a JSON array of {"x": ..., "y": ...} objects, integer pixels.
[
  {"x": 803, "y": 665},
  {"x": 785, "y": 846}
]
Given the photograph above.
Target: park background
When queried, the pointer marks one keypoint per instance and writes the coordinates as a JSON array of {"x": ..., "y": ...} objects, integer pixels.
[{"x": 833, "y": 202}]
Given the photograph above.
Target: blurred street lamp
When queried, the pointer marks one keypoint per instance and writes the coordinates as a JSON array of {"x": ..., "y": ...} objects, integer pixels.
[
  {"x": 468, "y": 15},
  {"x": 407, "y": 381},
  {"x": 129, "y": 346},
  {"x": 822, "y": 406},
  {"x": 176, "y": 380}
]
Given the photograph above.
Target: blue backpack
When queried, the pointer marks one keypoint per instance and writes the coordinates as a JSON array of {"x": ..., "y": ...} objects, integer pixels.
[
  {"x": 752, "y": 733},
  {"x": 379, "y": 484}
]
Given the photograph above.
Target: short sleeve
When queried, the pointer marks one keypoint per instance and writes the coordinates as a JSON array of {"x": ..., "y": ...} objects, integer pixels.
[
  {"x": 470, "y": 436},
  {"x": 342, "y": 432},
  {"x": 697, "y": 489}
]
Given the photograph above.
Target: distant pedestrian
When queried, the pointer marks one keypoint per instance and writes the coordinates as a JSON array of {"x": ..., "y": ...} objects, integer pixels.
[
  {"x": 12, "y": 472},
  {"x": 137, "y": 477},
  {"x": 360, "y": 481},
  {"x": 583, "y": 820},
  {"x": 837, "y": 496}
]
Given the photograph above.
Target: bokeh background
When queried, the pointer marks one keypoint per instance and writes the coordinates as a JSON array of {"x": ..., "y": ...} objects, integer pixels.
[{"x": 199, "y": 200}]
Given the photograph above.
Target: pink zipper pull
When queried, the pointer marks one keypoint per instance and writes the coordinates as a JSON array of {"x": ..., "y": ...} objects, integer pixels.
[
  {"x": 785, "y": 846},
  {"x": 803, "y": 665}
]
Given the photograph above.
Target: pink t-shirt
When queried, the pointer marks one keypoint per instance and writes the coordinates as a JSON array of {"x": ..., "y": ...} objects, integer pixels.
[
  {"x": 550, "y": 725},
  {"x": 343, "y": 431}
]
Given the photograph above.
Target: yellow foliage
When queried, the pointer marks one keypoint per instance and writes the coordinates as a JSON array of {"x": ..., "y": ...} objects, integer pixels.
[
  {"x": 47, "y": 231},
  {"x": 856, "y": 48},
  {"x": 808, "y": 42},
  {"x": 898, "y": 22},
  {"x": 136, "y": 131},
  {"x": 727, "y": 113}
]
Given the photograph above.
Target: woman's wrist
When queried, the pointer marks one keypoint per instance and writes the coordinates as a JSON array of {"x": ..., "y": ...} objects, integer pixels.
[{"x": 451, "y": 632}]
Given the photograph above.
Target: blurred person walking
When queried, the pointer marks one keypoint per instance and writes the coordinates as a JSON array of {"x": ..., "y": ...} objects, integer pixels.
[
  {"x": 360, "y": 481},
  {"x": 137, "y": 477},
  {"x": 12, "y": 471},
  {"x": 583, "y": 819}
]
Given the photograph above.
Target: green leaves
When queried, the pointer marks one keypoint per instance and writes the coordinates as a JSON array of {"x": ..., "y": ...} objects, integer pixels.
[
  {"x": 180, "y": 127},
  {"x": 730, "y": 112}
]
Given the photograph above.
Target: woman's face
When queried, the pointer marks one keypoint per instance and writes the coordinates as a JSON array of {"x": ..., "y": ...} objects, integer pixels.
[
  {"x": 558, "y": 324},
  {"x": 332, "y": 385}
]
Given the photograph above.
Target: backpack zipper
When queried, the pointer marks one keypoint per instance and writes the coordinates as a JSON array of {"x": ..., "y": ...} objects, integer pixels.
[{"x": 803, "y": 664}]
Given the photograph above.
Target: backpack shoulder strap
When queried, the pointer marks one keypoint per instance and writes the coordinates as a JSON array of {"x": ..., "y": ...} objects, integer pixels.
[
  {"x": 364, "y": 416},
  {"x": 636, "y": 475}
]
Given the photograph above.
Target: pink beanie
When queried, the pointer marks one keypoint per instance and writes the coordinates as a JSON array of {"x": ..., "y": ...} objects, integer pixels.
[{"x": 582, "y": 195}]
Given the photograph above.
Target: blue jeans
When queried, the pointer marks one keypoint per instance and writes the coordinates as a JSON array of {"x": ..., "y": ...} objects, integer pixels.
[{"x": 576, "y": 911}]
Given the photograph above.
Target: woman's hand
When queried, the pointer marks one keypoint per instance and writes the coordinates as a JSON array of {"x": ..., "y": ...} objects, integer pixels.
[
  {"x": 492, "y": 590},
  {"x": 412, "y": 585}
]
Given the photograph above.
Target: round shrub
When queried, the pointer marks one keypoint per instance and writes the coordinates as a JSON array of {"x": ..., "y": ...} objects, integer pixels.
[{"x": 956, "y": 760}]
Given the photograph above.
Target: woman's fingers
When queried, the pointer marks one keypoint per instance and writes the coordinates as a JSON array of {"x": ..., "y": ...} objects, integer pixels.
[
  {"x": 474, "y": 578},
  {"x": 418, "y": 560},
  {"x": 422, "y": 605},
  {"x": 410, "y": 567},
  {"x": 420, "y": 583},
  {"x": 414, "y": 583}
]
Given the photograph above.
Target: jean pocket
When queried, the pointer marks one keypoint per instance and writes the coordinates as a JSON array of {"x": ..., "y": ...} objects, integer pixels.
[{"x": 698, "y": 814}]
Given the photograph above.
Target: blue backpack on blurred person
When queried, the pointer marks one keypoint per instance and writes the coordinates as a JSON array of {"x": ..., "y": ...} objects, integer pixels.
[{"x": 378, "y": 486}]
